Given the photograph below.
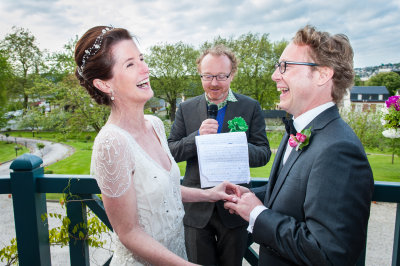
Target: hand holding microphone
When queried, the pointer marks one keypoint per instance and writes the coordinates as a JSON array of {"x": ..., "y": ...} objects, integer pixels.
[{"x": 210, "y": 125}]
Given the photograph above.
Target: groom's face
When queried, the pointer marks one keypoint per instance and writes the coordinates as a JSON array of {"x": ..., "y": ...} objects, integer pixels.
[{"x": 298, "y": 83}]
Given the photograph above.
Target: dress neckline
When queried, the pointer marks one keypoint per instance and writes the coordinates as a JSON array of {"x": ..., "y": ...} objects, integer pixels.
[{"x": 143, "y": 150}]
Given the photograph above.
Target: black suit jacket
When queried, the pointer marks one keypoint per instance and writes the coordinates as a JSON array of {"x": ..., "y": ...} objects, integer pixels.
[
  {"x": 181, "y": 141},
  {"x": 319, "y": 204}
]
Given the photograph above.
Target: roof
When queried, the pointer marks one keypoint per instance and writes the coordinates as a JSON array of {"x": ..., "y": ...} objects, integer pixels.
[{"x": 369, "y": 90}]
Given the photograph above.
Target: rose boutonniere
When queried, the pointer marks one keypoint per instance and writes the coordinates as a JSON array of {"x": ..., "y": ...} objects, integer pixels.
[
  {"x": 301, "y": 139},
  {"x": 238, "y": 124}
]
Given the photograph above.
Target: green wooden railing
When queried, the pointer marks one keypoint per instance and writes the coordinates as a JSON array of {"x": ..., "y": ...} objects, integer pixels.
[{"x": 28, "y": 185}]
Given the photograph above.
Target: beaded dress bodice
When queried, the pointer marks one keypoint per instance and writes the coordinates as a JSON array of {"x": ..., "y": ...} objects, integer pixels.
[{"x": 116, "y": 155}]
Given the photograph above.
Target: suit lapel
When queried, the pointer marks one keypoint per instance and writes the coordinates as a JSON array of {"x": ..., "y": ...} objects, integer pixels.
[
  {"x": 202, "y": 108},
  {"x": 230, "y": 113},
  {"x": 294, "y": 155},
  {"x": 275, "y": 166},
  {"x": 316, "y": 125}
]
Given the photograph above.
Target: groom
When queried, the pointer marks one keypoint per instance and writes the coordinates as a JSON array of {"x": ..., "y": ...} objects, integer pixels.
[{"x": 315, "y": 208}]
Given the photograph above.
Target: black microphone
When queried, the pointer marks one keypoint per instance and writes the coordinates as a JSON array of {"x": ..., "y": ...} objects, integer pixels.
[{"x": 212, "y": 111}]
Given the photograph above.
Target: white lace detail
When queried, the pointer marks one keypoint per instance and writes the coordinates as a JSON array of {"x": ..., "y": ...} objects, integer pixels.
[
  {"x": 112, "y": 162},
  {"x": 158, "y": 196}
]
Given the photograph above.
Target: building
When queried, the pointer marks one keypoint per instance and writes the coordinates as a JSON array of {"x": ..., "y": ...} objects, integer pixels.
[{"x": 366, "y": 98}]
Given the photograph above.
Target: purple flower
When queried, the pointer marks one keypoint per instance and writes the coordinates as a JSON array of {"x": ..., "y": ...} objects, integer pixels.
[{"x": 395, "y": 101}]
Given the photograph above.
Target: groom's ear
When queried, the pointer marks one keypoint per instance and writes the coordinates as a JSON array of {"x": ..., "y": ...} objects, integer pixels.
[
  {"x": 104, "y": 86},
  {"x": 325, "y": 75}
]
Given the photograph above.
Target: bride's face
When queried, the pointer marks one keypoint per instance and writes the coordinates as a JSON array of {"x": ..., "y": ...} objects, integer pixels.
[{"x": 130, "y": 81}]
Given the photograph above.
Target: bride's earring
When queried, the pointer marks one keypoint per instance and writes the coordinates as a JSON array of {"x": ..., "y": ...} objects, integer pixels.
[{"x": 112, "y": 95}]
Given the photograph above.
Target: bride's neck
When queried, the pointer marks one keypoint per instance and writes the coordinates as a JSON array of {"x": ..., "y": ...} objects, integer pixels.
[{"x": 130, "y": 119}]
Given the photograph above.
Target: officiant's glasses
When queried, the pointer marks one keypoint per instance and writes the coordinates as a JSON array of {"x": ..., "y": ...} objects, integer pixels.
[
  {"x": 282, "y": 65},
  {"x": 219, "y": 77}
]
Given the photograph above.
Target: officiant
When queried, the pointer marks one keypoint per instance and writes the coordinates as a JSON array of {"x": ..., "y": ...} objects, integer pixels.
[{"x": 213, "y": 236}]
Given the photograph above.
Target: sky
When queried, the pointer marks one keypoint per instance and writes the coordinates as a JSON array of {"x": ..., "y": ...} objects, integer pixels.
[{"x": 373, "y": 27}]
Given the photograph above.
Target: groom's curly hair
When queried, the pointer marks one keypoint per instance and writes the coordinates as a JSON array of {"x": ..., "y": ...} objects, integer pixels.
[{"x": 333, "y": 51}]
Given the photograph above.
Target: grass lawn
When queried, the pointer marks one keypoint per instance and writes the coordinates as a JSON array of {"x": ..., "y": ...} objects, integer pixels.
[
  {"x": 383, "y": 169},
  {"x": 8, "y": 151},
  {"x": 79, "y": 162}
]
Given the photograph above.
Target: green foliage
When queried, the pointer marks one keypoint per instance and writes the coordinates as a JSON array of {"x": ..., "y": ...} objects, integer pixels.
[
  {"x": 31, "y": 120},
  {"x": 389, "y": 79},
  {"x": 257, "y": 57},
  {"x": 173, "y": 72},
  {"x": 5, "y": 76},
  {"x": 40, "y": 146},
  {"x": 358, "y": 81},
  {"x": 9, "y": 254},
  {"x": 8, "y": 150},
  {"x": 62, "y": 64},
  {"x": 368, "y": 128},
  {"x": 91, "y": 232},
  {"x": 25, "y": 57}
]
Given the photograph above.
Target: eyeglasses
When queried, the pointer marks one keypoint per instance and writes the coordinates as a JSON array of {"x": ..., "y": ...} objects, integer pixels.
[
  {"x": 219, "y": 77},
  {"x": 282, "y": 65}
]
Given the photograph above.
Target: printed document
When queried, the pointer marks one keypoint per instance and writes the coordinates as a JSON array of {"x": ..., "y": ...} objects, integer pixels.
[{"x": 223, "y": 157}]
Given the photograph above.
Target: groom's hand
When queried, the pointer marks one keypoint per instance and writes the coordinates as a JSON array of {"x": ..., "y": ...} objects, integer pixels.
[
  {"x": 225, "y": 191},
  {"x": 244, "y": 205}
]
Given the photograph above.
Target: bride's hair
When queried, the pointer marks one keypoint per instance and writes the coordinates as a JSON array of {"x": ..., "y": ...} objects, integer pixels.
[{"x": 94, "y": 60}]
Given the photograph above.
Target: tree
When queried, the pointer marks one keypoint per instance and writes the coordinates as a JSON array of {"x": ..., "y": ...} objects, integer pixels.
[
  {"x": 31, "y": 119},
  {"x": 5, "y": 76},
  {"x": 389, "y": 79},
  {"x": 173, "y": 72},
  {"x": 24, "y": 56},
  {"x": 258, "y": 57},
  {"x": 358, "y": 81},
  {"x": 73, "y": 109},
  {"x": 62, "y": 64}
]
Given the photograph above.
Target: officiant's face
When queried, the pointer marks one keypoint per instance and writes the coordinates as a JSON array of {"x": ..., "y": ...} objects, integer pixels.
[{"x": 216, "y": 89}]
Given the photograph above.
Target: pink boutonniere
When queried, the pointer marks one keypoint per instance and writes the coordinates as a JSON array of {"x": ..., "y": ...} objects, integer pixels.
[{"x": 301, "y": 139}]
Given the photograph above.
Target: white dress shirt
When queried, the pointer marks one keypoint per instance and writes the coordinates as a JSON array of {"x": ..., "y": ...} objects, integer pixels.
[{"x": 299, "y": 124}]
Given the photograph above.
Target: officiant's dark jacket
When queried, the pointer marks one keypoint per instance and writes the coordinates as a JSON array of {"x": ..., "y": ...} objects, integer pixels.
[
  {"x": 189, "y": 117},
  {"x": 319, "y": 202}
]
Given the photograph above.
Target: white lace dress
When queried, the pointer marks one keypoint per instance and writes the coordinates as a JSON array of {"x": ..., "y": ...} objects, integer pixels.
[{"x": 115, "y": 156}]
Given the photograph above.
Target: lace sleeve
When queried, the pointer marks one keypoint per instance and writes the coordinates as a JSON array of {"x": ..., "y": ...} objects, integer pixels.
[
  {"x": 158, "y": 127},
  {"x": 112, "y": 162}
]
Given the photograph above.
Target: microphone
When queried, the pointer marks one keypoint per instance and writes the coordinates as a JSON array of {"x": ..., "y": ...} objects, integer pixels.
[{"x": 212, "y": 111}]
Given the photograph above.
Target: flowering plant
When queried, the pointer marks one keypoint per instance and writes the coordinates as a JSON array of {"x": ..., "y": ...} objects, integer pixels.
[
  {"x": 301, "y": 139},
  {"x": 391, "y": 117},
  {"x": 238, "y": 124}
]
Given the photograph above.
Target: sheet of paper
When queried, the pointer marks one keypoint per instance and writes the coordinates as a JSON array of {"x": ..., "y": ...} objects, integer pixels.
[{"x": 222, "y": 157}]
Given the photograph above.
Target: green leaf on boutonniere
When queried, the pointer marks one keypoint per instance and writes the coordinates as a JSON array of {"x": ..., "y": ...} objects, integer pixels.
[{"x": 238, "y": 124}]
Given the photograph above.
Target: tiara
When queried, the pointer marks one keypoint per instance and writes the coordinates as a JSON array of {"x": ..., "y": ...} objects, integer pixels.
[{"x": 93, "y": 50}]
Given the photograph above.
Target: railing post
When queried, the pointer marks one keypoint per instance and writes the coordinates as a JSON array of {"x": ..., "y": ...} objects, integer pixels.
[
  {"x": 78, "y": 249},
  {"x": 396, "y": 246},
  {"x": 31, "y": 232}
]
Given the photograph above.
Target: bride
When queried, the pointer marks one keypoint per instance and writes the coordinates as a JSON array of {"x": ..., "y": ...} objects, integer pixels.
[{"x": 138, "y": 177}]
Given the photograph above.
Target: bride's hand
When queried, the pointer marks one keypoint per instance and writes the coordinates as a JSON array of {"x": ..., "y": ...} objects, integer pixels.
[{"x": 226, "y": 191}]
